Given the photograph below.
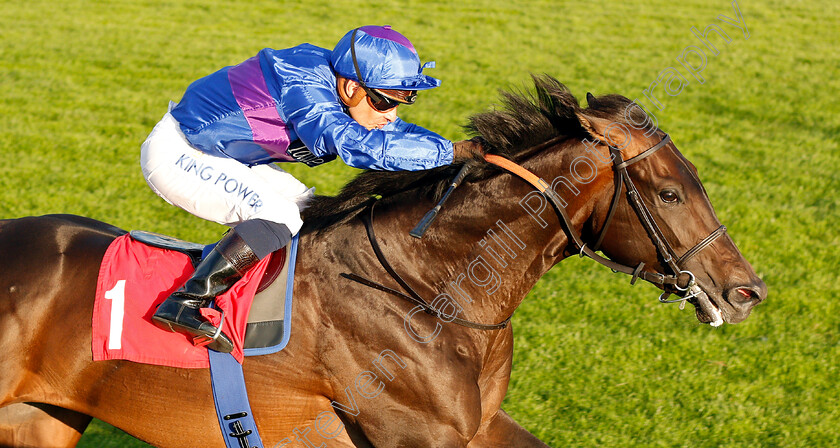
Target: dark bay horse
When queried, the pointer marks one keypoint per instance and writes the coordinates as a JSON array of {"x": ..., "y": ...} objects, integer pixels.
[{"x": 363, "y": 368}]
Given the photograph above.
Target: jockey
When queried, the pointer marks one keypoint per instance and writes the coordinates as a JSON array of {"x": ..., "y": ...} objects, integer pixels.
[{"x": 212, "y": 154}]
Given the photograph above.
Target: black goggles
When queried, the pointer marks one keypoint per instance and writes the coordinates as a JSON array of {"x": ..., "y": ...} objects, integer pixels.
[{"x": 382, "y": 100}]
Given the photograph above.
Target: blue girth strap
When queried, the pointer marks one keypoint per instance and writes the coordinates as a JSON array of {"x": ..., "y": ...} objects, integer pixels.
[{"x": 232, "y": 407}]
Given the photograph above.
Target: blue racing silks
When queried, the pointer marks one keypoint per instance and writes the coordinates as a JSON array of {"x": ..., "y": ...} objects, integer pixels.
[{"x": 283, "y": 106}]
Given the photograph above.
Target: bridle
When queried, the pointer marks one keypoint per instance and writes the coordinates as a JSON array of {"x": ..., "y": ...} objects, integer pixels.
[{"x": 679, "y": 281}]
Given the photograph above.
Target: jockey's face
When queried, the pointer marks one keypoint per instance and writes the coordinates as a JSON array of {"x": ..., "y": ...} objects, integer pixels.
[{"x": 363, "y": 112}]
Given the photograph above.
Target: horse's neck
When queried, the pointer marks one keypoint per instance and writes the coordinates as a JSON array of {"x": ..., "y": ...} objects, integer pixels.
[{"x": 486, "y": 251}]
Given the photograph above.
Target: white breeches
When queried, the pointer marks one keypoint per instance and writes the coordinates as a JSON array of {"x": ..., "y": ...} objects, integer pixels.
[{"x": 219, "y": 189}]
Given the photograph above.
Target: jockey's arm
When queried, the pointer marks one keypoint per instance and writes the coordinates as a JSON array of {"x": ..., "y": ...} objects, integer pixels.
[{"x": 325, "y": 128}]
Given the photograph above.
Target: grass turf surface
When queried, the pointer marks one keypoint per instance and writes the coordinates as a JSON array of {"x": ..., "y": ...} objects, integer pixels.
[{"x": 596, "y": 361}]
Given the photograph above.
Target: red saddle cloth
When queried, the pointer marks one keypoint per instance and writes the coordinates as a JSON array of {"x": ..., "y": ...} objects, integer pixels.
[{"x": 134, "y": 279}]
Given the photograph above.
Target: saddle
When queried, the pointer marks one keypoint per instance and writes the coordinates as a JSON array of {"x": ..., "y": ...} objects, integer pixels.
[
  {"x": 266, "y": 319},
  {"x": 261, "y": 303},
  {"x": 197, "y": 251}
]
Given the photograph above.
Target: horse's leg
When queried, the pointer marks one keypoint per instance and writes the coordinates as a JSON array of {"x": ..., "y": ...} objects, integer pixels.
[
  {"x": 503, "y": 431},
  {"x": 498, "y": 429},
  {"x": 40, "y": 425}
]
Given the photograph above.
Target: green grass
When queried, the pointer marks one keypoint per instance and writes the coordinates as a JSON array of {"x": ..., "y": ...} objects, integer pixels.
[{"x": 597, "y": 362}]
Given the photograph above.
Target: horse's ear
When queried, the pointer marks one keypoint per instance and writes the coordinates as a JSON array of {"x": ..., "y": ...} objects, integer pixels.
[
  {"x": 590, "y": 98},
  {"x": 593, "y": 125}
]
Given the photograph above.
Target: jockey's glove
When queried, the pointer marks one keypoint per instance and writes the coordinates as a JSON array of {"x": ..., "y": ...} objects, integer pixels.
[{"x": 469, "y": 149}]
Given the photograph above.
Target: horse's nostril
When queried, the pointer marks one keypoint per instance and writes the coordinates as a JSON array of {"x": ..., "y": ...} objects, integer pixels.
[{"x": 747, "y": 293}]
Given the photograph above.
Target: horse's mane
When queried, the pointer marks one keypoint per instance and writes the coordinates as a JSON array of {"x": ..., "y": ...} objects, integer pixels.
[{"x": 526, "y": 120}]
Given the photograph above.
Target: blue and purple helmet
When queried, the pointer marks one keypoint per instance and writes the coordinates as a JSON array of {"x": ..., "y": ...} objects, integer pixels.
[{"x": 386, "y": 60}]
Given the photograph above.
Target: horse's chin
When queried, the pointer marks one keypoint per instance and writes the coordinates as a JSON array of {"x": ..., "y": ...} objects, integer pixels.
[{"x": 707, "y": 311}]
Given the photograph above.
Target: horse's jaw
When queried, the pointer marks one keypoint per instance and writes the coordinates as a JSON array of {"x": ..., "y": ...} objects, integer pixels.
[{"x": 706, "y": 310}]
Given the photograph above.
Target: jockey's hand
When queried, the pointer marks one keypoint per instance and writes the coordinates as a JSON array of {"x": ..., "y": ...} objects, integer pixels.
[{"x": 469, "y": 149}]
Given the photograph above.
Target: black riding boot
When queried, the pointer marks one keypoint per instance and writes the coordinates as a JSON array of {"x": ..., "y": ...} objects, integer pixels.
[{"x": 223, "y": 266}]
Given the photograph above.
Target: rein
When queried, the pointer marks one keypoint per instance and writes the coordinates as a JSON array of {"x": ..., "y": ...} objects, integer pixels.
[
  {"x": 679, "y": 281},
  {"x": 412, "y": 296}
]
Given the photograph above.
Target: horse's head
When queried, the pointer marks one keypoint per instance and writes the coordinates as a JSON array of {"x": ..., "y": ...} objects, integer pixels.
[{"x": 672, "y": 197}]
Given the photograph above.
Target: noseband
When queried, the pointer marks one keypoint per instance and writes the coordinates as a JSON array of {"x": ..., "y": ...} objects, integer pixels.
[{"x": 679, "y": 281}]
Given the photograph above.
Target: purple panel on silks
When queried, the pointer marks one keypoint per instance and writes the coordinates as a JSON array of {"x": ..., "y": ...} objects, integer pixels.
[{"x": 259, "y": 107}]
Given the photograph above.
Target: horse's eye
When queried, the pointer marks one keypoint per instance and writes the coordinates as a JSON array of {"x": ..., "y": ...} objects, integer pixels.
[{"x": 669, "y": 196}]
